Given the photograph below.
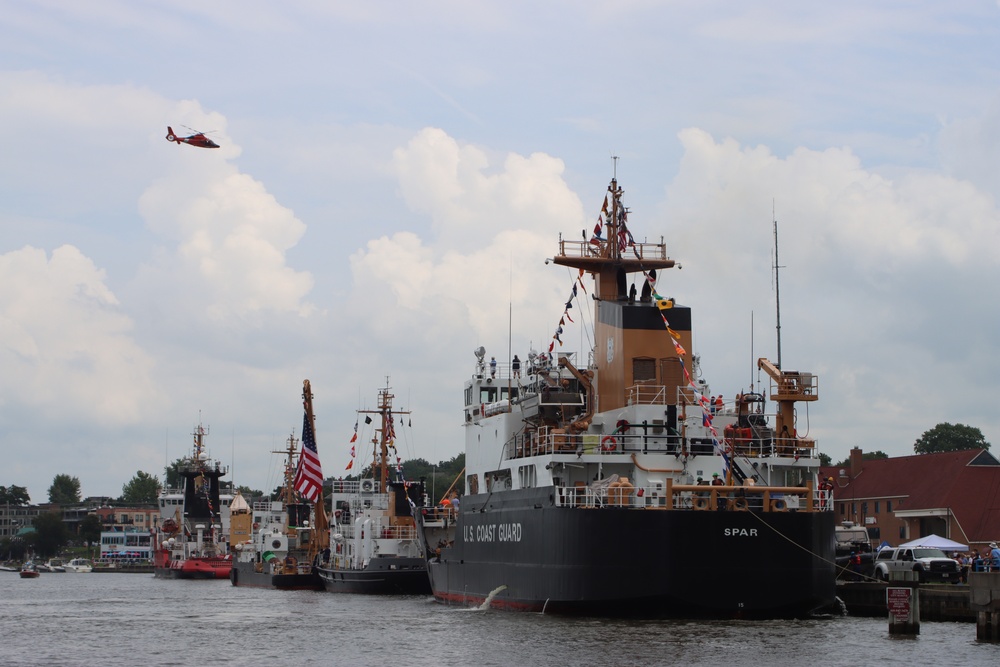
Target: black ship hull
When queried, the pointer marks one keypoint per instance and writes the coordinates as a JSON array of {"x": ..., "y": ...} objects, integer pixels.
[
  {"x": 522, "y": 553},
  {"x": 383, "y": 576},
  {"x": 244, "y": 574}
]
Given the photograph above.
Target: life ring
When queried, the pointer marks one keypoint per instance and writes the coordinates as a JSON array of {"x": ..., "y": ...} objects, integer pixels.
[
  {"x": 605, "y": 447},
  {"x": 701, "y": 503},
  {"x": 740, "y": 504},
  {"x": 779, "y": 505}
]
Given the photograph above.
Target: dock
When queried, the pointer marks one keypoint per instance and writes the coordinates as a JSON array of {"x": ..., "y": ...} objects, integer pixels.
[{"x": 938, "y": 602}]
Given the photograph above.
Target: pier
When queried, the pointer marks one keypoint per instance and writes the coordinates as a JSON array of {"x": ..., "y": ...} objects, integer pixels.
[{"x": 938, "y": 602}]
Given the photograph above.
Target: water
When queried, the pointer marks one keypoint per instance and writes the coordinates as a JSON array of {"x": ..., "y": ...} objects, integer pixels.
[{"x": 131, "y": 619}]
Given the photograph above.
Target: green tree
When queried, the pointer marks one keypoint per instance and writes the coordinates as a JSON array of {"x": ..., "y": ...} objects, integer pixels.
[
  {"x": 143, "y": 489},
  {"x": 174, "y": 480},
  {"x": 64, "y": 490},
  {"x": 51, "y": 534},
  {"x": 90, "y": 529},
  {"x": 947, "y": 437},
  {"x": 12, "y": 548},
  {"x": 825, "y": 460},
  {"x": 867, "y": 456},
  {"x": 14, "y": 495}
]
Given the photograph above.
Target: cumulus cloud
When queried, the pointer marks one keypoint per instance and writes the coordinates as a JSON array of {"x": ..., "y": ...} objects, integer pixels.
[
  {"x": 67, "y": 346},
  {"x": 872, "y": 270},
  {"x": 494, "y": 219},
  {"x": 231, "y": 237}
]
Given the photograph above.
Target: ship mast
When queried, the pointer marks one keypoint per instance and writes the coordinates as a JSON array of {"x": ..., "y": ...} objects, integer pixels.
[
  {"x": 385, "y": 435},
  {"x": 288, "y": 490},
  {"x": 777, "y": 292}
]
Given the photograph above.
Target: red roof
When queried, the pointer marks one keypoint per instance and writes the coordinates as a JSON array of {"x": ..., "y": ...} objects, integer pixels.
[{"x": 966, "y": 481}]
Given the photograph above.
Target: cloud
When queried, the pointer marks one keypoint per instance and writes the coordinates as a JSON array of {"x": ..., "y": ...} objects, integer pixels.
[
  {"x": 68, "y": 348},
  {"x": 231, "y": 237},
  {"x": 876, "y": 273}
]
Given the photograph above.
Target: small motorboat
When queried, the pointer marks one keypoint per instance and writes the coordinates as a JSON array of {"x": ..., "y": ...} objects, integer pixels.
[
  {"x": 52, "y": 565},
  {"x": 29, "y": 571},
  {"x": 79, "y": 565}
]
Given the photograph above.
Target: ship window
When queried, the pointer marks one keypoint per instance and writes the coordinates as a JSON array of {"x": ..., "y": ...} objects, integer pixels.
[
  {"x": 526, "y": 476},
  {"x": 643, "y": 370}
]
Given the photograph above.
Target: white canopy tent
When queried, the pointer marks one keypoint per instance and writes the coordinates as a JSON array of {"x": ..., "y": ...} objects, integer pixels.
[{"x": 936, "y": 542}]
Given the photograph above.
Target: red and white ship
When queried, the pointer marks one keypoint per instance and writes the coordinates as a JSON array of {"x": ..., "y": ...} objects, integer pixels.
[{"x": 188, "y": 543}]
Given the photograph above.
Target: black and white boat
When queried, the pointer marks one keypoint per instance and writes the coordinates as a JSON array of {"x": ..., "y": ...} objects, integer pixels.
[
  {"x": 587, "y": 475},
  {"x": 287, "y": 536},
  {"x": 374, "y": 546}
]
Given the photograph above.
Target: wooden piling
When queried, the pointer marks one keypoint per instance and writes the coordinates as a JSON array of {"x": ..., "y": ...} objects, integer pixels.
[{"x": 984, "y": 599}]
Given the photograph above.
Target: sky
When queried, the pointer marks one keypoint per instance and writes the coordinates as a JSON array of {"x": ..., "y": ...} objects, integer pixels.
[{"x": 392, "y": 177}]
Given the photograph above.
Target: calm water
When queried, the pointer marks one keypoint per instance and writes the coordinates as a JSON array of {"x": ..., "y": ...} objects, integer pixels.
[{"x": 132, "y": 619}]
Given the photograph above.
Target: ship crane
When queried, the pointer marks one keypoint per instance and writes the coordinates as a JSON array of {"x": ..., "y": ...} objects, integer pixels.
[{"x": 787, "y": 388}]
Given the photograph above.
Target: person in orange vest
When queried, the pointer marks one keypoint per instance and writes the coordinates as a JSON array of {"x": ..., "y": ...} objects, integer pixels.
[{"x": 826, "y": 486}]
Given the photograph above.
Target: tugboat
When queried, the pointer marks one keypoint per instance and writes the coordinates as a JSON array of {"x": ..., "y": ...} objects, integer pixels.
[
  {"x": 187, "y": 543},
  {"x": 612, "y": 484},
  {"x": 374, "y": 546},
  {"x": 289, "y": 535}
]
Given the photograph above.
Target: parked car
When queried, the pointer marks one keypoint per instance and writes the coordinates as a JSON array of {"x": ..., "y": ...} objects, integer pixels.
[
  {"x": 929, "y": 564},
  {"x": 855, "y": 560}
]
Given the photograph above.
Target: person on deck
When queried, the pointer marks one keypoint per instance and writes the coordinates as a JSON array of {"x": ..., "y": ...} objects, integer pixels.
[
  {"x": 515, "y": 366},
  {"x": 493, "y": 367}
]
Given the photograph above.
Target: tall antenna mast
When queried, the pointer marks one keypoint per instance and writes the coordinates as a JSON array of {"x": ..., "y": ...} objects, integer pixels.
[{"x": 777, "y": 291}]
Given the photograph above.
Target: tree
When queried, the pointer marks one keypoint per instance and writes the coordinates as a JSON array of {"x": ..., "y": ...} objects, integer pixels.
[
  {"x": 825, "y": 460},
  {"x": 867, "y": 456},
  {"x": 14, "y": 495},
  {"x": 90, "y": 529},
  {"x": 947, "y": 437},
  {"x": 173, "y": 478},
  {"x": 51, "y": 534},
  {"x": 12, "y": 548},
  {"x": 64, "y": 490},
  {"x": 143, "y": 489}
]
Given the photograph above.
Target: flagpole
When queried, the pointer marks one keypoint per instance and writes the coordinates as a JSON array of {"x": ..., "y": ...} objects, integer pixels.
[{"x": 322, "y": 521}]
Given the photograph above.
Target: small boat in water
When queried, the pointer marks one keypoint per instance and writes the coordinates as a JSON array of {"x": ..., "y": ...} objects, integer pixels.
[
  {"x": 588, "y": 476},
  {"x": 288, "y": 536},
  {"x": 187, "y": 543},
  {"x": 29, "y": 571},
  {"x": 79, "y": 566},
  {"x": 374, "y": 546},
  {"x": 52, "y": 565}
]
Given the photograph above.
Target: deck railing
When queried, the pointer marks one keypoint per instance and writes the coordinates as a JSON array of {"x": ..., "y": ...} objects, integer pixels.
[{"x": 692, "y": 497}]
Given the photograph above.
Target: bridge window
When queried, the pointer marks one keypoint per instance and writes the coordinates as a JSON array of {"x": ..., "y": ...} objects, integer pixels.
[{"x": 643, "y": 370}]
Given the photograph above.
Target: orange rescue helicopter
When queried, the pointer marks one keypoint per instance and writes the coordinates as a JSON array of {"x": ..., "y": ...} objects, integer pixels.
[{"x": 198, "y": 139}]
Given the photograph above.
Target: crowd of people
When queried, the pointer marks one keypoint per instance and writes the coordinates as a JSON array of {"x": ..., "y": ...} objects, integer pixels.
[{"x": 986, "y": 559}]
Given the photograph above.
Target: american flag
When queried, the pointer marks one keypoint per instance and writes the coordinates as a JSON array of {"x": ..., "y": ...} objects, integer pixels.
[{"x": 309, "y": 475}]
